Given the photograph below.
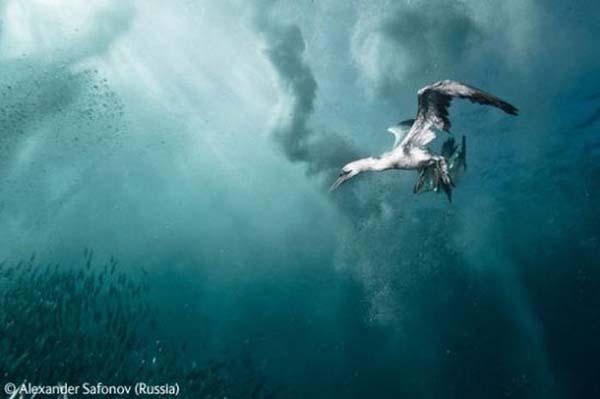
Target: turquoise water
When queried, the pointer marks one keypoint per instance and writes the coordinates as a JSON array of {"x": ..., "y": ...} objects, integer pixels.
[{"x": 188, "y": 146}]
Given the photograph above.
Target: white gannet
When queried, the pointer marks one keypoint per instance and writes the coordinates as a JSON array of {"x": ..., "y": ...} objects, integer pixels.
[{"x": 412, "y": 136}]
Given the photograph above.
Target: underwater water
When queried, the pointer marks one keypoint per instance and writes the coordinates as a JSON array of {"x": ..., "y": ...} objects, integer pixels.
[{"x": 164, "y": 213}]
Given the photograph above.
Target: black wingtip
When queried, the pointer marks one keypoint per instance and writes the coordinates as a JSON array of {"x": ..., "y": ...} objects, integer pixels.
[{"x": 509, "y": 109}]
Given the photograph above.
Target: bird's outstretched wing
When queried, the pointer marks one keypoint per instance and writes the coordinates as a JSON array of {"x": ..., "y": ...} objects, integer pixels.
[
  {"x": 434, "y": 101},
  {"x": 400, "y": 130}
]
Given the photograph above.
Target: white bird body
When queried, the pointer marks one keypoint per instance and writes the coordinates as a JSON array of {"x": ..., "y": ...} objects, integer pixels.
[
  {"x": 410, "y": 150},
  {"x": 414, "y": 158},
  {"x": 411, "y": 158}
]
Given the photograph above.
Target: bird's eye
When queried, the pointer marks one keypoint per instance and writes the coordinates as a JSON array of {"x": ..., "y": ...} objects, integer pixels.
[{"x": 342, "y": 173}]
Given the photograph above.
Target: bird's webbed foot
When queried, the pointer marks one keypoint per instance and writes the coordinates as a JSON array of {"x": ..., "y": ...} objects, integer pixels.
[
  {"x": 434, "y": 176},
  {"x": 442, "y": 173},
  {"x": 441, "y": 177}
]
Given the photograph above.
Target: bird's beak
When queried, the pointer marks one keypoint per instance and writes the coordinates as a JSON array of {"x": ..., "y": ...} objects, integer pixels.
[{"x": 339, "y": 181}]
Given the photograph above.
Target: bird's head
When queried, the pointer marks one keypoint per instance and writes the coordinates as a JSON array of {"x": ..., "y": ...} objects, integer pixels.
[{"x": 348, "y": 172}]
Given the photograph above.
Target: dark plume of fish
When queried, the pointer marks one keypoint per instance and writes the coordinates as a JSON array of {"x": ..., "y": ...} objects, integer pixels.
[{"x": 87, "y": 323}]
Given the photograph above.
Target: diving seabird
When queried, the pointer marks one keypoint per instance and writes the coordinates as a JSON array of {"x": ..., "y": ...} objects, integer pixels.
[{"x": 412, "y": 136}]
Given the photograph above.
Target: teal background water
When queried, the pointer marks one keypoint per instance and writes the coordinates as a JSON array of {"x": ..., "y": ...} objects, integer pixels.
[{"x": 194, "y": 142}]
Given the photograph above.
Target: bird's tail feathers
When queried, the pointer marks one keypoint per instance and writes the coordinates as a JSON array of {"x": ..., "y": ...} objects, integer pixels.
[{"x": 432, "y": 178}]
